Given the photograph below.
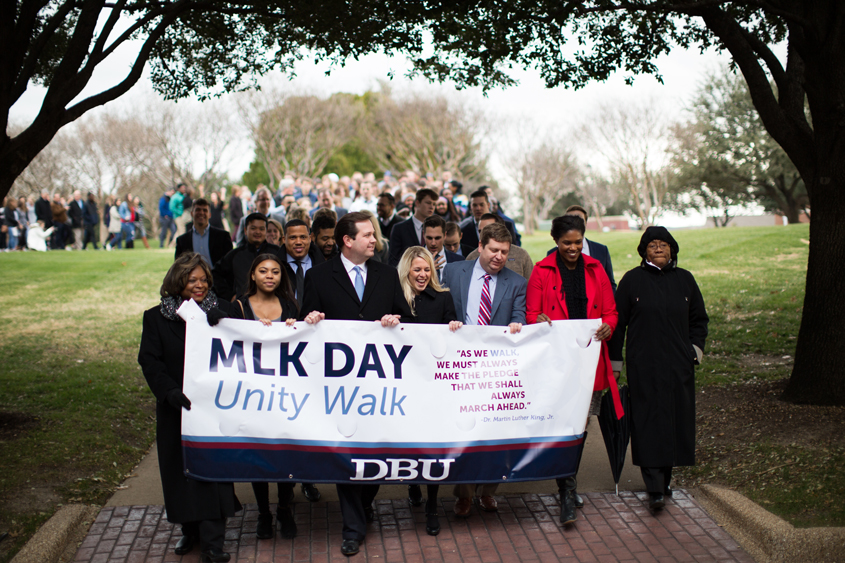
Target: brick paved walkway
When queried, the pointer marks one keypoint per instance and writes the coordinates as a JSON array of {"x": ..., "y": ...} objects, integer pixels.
[{"x": 526, "y": 528}]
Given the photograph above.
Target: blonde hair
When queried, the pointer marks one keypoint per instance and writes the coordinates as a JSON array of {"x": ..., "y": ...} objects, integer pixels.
[
  {"x": 297, "y": 212},
  {"x": 377, "y": 227},
  {"x": 411, "y": 254}
]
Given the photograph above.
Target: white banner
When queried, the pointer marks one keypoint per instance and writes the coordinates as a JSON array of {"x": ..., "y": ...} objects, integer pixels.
[{"x": 345, "y": 401}]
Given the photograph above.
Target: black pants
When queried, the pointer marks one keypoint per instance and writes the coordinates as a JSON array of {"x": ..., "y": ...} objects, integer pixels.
[
  {"x": 353, "y": 499},
  {"x": 89, "y": 236},
  {"x": 262, "y": 495},
  {"x": 210, "y": 532},
  {"x": 656, "y": 478}
]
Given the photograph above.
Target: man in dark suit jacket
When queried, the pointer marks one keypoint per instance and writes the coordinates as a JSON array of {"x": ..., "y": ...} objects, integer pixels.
[
  {"x": 352, "y": 286},
  {"x": 591, "y": 248},
  {"x": 387, "y": 216},
  {"x": 43, "y": 211},
  {"x": 434, "y": 228},
  {"x": 479, "y": 204},
  {"x": 212, "y": 243},
  {"x": 299, "y": 255},
  {"x": 410, "y": 233},
  {"x": 486, "y": 293}
]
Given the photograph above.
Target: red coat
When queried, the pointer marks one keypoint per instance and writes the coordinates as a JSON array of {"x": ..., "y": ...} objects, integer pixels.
[{"x": 544, "y": 295}]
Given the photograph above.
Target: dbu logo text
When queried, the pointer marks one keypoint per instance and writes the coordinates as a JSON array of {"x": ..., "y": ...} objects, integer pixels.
[{"x": 401, "y": 469}]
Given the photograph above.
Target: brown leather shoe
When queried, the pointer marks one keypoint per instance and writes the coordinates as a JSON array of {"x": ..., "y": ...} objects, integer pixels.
[
  {"x": 488, "y": 504},
  {"x": 462, "y": 507}
]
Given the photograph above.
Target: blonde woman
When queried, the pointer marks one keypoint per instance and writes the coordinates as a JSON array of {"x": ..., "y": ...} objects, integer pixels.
[
  {"x": 382, "y": 250},
  {"x": 275, "y": 233},
  {"x": 431, "y": 304}
]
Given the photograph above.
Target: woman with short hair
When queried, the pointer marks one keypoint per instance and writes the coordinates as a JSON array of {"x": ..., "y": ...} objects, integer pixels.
[{"x": 201, "y": 507}]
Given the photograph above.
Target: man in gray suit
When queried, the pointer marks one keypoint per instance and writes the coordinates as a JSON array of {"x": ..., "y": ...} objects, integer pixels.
[{"x": 486, "y": 293}]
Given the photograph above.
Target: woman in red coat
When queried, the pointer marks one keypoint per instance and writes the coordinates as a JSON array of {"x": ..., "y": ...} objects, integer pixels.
[{"x": 569, "y": 285}]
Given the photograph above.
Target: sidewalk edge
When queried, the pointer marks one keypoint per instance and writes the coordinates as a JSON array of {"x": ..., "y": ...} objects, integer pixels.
[
  {"x": 766, "y": 537},
  {"x": 51, "y": 539}
]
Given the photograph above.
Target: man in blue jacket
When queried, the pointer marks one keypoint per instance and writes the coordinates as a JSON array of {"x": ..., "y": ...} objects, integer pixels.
[{"x": 165, "y": 219}]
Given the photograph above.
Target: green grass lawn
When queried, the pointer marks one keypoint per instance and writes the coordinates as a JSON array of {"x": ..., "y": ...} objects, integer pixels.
[{"x": 80, "y": 416}]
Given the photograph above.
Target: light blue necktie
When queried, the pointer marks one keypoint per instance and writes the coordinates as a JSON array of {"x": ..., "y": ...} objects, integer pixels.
[{"x": 359, "y": 283}]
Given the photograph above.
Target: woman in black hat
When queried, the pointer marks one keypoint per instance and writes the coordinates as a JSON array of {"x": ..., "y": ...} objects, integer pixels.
[{"x": 662, "y": 310}]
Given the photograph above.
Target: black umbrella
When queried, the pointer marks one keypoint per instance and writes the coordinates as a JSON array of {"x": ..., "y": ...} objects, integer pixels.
[{"x": 616, "y": 432}]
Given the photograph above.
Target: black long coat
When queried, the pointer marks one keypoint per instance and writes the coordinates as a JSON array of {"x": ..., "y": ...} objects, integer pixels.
[
  {"x": 663, "y": 312},
  {"x": 162, "y": 359}
]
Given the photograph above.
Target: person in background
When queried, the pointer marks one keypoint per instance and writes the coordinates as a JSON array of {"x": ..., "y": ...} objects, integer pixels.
[
  {"x": 200, "y": 507},
  {"x": 37, "y": 237},
  {"x": 236, "y": 209},
  {"x": 177, "y": 208},
  {"x": 452, "y": 241},
  {"x": 62, "y": 234},
  {"x": 662, "y": 312},
  {"x": 230, "y": 273},
  {"x": 410, "y": 233},
  {"x": 433, "y": 232},
  {"x": 430, "y": 304},
  {"x": 486, "y": 294},
  {"x": 479, "y": 204},
  {"x": 210, "y": 242},
  {"x": 75, "y": 211},
  {"x": 13, "y": 224},
  {"x": 365, "y": 200},
  {"x": 519, "y": 260},
  {"x": 263, "y": 205},
  {"x": 387, "y": 216},
  {"x": 275, "y": 233},
  {"x": 570, "y": 285},
  {"x": 217, "y": 208},
  {"x": 43, "y": 212},
  {"x": 140, "y": 213},
  {"x": 322, "y": 233},
  {"x": 300, "y": 214},
  {"x": 126, "y": 217},
  {"x": 325, "y": 199},
  {"x": 165, "y": 220},
  {"x": 382, "y": 248},
  {"x": 91, "y": 222}
]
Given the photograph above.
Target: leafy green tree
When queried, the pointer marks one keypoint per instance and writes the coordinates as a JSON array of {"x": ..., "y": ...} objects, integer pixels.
[
  {"x": 799, "y": 100},
  {"x": 725, "y": 157}
]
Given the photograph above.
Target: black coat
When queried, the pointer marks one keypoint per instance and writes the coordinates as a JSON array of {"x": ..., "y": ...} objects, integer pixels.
[
  {"x": 43, "y": 212},
  {"x": 219, "y": 243},
  {"x": 663, "y": 313},
  {"x": 162, "y": 357},
  {"x": 434, "y": 307},
  {"x": 232, "y": 271},
  {"x": 388, "y": 228},
  {"x": 402, "y": 237},
  {"x": 329, "y": 290},
  {"x": 75, "y": 209}
]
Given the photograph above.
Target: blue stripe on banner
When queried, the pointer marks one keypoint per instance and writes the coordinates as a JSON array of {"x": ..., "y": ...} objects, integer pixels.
[{"x": 520, "y": 462}]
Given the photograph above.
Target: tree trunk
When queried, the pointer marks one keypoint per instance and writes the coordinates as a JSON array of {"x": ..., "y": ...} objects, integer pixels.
[{"x": 818, "y": 376}]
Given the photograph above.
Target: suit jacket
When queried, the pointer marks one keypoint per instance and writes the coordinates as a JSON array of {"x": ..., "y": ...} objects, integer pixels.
[
  {"x": 402, "y": 237},
  {"x": 74, "y": 211},
  {"x": 602, "y": 254},
  {"x": 313, "y": 252},
  {"x": 329, "y": 290},
  {"x": 219, "y": 243},
  {"x": 386, "y": 230},
  {"x": 43, "y": 212},
  {"x": 508, "y": 302},
  {"x": 470, "y": 232}
]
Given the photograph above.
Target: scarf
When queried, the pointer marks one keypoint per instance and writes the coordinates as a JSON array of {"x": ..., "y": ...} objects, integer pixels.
[
  {"x": 574, "y": 288},
  {"x": 171, "y": 304}
]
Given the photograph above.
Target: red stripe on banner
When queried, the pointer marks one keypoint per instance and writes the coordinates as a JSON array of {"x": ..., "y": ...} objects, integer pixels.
[{"x": 379, "y": 451}]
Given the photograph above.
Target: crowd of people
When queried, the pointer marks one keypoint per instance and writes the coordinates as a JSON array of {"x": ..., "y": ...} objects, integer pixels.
[{"x": 413, "y": 249}]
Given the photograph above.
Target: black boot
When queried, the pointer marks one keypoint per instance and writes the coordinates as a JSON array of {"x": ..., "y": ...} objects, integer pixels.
[
  {"x": 415, "y": 495},
  {"x": 287, "y": 525},
  {"x": 567, "y": 507},
  {"x": 264, "y": 529},
  {"x": 432, "y": 523}
]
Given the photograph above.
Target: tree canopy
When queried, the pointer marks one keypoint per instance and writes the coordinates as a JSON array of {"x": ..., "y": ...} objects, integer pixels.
[{"x": 202, "y": 47}]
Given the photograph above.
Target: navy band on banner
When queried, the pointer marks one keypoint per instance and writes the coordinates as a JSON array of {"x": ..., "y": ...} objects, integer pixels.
[{"x": 354, "y": 402}]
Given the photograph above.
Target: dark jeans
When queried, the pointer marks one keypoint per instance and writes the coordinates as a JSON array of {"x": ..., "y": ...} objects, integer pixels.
[
  {"x": 167, "y": 225},
  {"x": 262, "y": 495}
]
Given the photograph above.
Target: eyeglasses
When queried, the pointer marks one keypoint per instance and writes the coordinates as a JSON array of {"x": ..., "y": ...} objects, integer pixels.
[{"x": 656, "y": 245}]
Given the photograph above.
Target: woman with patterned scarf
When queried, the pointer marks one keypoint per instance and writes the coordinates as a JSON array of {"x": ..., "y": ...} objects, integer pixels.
[
  {"x": 200, "y": 507},
  {"x": 570, "y": 285}
]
